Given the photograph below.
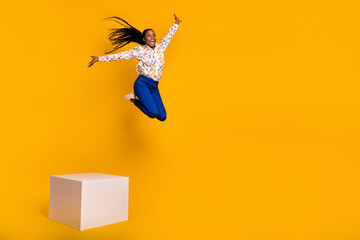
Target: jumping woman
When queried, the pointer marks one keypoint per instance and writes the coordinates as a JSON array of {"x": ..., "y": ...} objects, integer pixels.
[{"x": 146, "y": 94}]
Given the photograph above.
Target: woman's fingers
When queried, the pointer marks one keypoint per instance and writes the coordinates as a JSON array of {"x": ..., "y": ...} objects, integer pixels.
[
  {"x": 177, "y": 19},
  {"x": 94, "y": 59}
]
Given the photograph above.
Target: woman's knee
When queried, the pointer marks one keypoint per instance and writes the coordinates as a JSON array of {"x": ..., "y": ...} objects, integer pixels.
[
  {"x": 153, "y": 113},
  {"x": 162, "y": 117}
]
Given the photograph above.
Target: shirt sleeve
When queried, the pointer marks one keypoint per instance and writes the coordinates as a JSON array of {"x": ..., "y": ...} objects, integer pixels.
[
  {"x": 130, "y": 54},
  {"x": 165, "y": 41}
]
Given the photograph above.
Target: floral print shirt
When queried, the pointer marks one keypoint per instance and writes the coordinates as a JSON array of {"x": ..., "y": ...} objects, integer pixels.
[{"x": 151, "y": 61}]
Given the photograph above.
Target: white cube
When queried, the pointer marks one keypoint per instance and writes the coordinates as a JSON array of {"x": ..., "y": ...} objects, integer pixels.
[{"x": 88, "y": 200}]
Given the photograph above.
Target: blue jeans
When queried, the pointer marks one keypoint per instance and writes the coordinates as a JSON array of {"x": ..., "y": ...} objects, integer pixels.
[{"x": 150, "y": 103}]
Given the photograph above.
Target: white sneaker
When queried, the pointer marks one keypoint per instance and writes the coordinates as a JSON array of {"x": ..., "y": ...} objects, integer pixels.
[{"x": 130, "y": 96}]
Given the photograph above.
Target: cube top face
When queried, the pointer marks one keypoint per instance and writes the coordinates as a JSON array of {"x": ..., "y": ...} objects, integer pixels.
[{"x": 88, "y": 176}]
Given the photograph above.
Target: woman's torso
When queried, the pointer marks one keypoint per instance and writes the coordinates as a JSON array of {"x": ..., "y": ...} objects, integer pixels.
[{"x": 151, "y": 62}]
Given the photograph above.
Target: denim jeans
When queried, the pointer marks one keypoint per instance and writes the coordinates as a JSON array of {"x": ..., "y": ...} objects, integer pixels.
[{"x": 150, "y": 103}]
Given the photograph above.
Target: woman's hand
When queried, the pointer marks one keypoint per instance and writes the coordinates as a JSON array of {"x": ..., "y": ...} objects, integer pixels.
[
  {"x": 94, "y": 60},
  {"x": 177, "y": 20}
]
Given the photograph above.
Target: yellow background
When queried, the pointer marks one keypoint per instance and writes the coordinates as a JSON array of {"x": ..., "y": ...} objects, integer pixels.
[{"x": 262, "y": 136}]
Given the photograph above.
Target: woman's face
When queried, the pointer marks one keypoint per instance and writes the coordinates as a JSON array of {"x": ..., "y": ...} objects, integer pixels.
[{"x": 150, "y": 38}]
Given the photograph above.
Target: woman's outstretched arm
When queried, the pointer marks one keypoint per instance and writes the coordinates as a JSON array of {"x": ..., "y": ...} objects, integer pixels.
[
  {"x": 165, "y": 41},
  {"x": 130, "y": 54}
]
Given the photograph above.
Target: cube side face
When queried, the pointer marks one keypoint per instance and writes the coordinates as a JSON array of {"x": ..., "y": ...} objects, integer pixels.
[
  {"x": 104, "y": 202},
  {"x": 65, "y": 201}
]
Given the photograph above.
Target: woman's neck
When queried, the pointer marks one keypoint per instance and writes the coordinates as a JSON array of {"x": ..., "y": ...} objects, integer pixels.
[{"x": 150, "y": 46}]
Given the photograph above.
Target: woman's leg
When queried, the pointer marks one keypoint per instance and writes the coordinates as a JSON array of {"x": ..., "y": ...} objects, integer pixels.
[
  {"x": 146, "y": 102},
  {"x": 159, "y": 104}
]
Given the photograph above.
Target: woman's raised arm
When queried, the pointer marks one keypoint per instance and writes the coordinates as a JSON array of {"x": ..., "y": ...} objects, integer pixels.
[{"x": 165, "y": 41}]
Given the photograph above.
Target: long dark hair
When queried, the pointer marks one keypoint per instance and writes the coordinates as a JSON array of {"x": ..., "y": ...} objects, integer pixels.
[{"x": 119, "y": 37}]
